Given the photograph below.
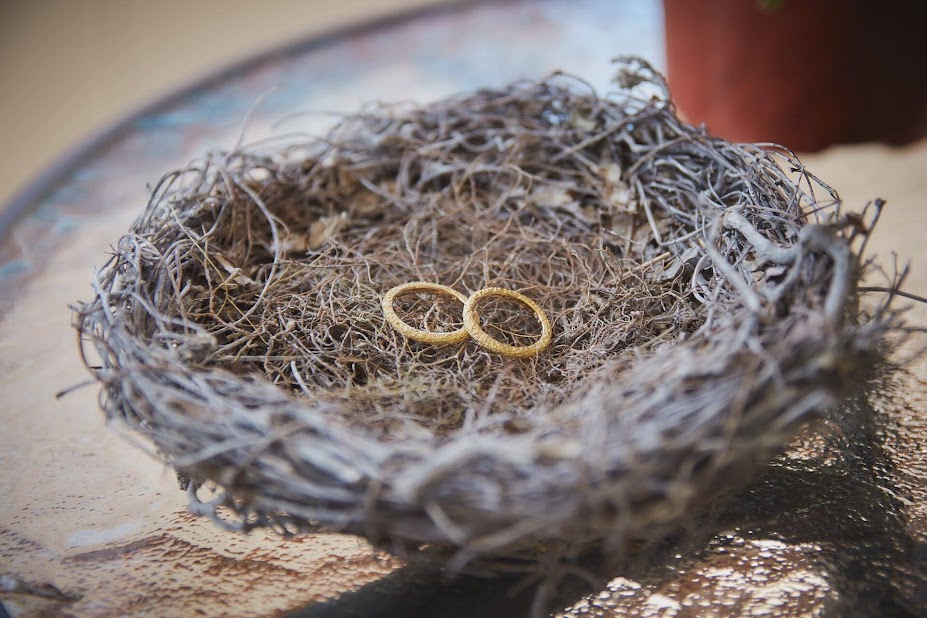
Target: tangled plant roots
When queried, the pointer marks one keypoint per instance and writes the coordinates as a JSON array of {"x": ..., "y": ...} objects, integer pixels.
[{"x": 703, "y": 297}]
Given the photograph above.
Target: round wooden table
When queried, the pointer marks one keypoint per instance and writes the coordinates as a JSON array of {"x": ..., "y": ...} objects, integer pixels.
[{"x": 92, "y": 525}]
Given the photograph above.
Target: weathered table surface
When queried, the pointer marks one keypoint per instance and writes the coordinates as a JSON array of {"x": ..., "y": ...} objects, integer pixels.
[{"x": 90, "y": 525}]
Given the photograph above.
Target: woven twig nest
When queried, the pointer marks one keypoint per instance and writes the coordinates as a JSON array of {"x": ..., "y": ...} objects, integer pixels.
[{"x": 703, "y": 297}]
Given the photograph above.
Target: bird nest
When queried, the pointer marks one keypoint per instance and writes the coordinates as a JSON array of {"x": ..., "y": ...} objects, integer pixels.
[{"x": 702, "y": 297}]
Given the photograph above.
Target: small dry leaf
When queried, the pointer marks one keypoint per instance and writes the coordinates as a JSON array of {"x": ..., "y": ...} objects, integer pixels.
[
  {"x": 551, "y": 196},
  {"x": 321, "y": 231},
  {"x": 617, "y": 192},
  {"x": 366, "y": 204},
  {"x": 235, "y": 274}
]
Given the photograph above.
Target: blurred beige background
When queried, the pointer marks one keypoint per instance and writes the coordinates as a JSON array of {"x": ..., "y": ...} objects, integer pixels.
[{"x": 69, "y": 68}]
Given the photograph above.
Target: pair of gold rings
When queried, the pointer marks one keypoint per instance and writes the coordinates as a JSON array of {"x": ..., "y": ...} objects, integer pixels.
[{"x": 471, "y": 319}]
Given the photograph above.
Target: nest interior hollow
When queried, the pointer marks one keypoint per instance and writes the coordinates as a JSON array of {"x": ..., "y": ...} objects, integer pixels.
[{"x": 702, "y": 297}]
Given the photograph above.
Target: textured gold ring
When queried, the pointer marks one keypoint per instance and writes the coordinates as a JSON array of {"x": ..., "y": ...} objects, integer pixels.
[
  {"x": 413, "y": 333},
  {"x": 472, "y": 324}
]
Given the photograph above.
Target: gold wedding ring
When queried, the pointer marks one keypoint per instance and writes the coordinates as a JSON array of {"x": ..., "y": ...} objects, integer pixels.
[
  {"x": 471, "y": 319},
  {"x": 413, "y": 333},
  {"x": 472, "y": 324}
]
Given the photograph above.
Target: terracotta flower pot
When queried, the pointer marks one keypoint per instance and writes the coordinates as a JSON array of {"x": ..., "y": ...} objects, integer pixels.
[{"x": 804, "y": 73}]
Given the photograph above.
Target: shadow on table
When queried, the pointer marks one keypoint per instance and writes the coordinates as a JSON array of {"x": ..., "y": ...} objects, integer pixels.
[
  {"x": 845, "y": 502},
  {"x": 425, "y": 591}
]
